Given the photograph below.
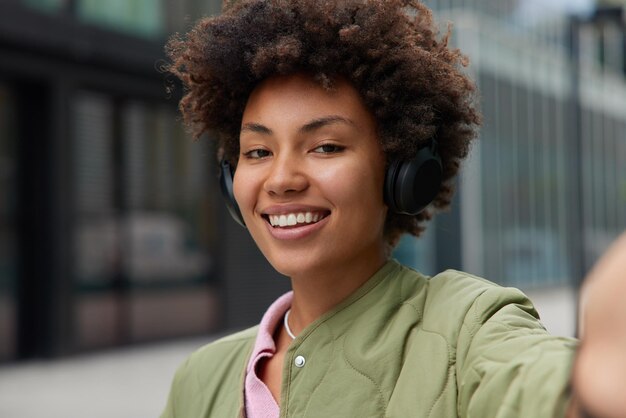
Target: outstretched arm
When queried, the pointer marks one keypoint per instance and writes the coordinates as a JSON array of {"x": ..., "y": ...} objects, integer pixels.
[{"x": 599, "y": 376}]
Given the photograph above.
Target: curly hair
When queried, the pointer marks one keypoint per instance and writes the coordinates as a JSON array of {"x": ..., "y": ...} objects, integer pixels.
[{"x": 390, "y": 50}]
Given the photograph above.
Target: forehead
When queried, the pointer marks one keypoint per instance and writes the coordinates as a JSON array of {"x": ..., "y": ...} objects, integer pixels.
[{"x": 297, "y": 98}]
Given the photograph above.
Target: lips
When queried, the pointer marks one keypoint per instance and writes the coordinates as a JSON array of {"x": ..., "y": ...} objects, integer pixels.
[
  {"x": 294, "y": 221},
  {"x": 291, "y": 219}
]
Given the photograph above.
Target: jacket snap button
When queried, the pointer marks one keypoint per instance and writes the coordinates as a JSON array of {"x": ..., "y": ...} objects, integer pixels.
[{"x": 299, "y": 361}]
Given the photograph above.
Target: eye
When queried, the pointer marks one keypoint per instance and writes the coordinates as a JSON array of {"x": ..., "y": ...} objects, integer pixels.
[
  {"x": 256, "y": 154},
  {"x": 328, "y": 149}
]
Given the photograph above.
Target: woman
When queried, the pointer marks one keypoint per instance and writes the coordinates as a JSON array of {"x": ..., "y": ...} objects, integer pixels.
[{"x": 345, "y": 124}]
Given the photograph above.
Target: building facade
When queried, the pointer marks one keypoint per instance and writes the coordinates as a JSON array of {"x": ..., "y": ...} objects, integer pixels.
[
  {"x": 544, "y": 191},
  {"x": 108, "y": 222}
]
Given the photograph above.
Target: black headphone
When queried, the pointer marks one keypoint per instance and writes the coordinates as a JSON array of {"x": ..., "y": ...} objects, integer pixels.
[
  {"x": 226, "y": 186},
  {"x": 410, "y": 185}
]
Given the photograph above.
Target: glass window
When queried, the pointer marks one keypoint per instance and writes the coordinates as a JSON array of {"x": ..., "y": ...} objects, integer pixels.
[
  {"x": 168, "y": 223},
  {"x": 144, "y": 224},
  {"x": 96, "y": 232},
  {"x": 604, "y": 180},
  {"x": 524, "y": 190},
  {"x": 168, "y": 226},
  {"x": 138, "y": 17},
  {"x": 96, "y": 241},
  {"x": 8, "y": 236}
]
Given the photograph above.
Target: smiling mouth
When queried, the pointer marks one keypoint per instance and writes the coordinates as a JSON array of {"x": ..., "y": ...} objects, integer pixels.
[{"x": 290, "y": 220}]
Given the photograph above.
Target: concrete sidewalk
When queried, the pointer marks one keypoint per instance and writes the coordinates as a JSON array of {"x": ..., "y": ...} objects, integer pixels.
[{"x": 124, "y": 383}]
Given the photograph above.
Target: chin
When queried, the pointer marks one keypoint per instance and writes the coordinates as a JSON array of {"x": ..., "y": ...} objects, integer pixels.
[
  {"x": 297, "y": 264},
  {"x": 291, "y": 268}
]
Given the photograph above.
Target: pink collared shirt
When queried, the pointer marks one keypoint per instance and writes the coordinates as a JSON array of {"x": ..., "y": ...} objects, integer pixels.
[{"x": 259, "y": 400}]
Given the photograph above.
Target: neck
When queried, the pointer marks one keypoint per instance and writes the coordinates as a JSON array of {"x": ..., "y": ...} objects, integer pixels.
[{"x": 317, "y": 293}]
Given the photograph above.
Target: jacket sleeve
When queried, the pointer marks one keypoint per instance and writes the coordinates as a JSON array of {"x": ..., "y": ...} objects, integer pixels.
[{"x": 508, "y": 365}]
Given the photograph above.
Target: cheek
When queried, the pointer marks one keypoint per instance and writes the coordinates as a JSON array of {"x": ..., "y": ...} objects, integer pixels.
[{"x": 356, "y": 186}]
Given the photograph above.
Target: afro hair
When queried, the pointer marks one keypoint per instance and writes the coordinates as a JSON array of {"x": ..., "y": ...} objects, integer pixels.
[{"x": 390, "y": 50}]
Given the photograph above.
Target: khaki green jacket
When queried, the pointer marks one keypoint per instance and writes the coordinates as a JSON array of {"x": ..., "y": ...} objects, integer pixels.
[{"x": 402, "y": 345}]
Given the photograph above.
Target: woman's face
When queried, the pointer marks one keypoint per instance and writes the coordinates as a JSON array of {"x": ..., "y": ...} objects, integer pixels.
[{"x": 310, "y": 176}]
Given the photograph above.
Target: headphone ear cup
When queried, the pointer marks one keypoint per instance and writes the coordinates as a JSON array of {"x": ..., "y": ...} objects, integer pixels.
[
  {"x": 389, "y": 189},
  {"x": 410, "y": 186},
  {"x": 226, "y": 187}
]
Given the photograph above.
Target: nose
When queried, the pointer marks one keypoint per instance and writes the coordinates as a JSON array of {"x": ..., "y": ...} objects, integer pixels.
[{"x": 286, "y": 176}]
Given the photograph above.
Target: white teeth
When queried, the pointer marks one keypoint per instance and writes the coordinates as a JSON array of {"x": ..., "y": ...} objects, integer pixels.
[{"x": 292, "y": 219}]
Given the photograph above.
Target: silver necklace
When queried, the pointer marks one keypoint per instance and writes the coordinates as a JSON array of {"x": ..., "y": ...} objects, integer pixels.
[{"x": 286, "y": 321}]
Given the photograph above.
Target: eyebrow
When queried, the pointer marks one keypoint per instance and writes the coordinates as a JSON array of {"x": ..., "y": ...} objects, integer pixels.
[
  {"x": 306, "y": 128},
  {"x": 256, "y": 127},
  {"x": 324, "y": 121}
]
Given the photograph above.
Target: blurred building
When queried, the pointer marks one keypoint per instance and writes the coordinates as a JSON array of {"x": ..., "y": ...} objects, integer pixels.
[
  {"x": 111, "y": 228},
  {"x": 110, "y": 224},
  {"x": 544, "y": 192}
]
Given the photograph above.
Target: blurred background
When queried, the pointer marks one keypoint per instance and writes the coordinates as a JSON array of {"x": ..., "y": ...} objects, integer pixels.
[{"x": 116, "y": 251}]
